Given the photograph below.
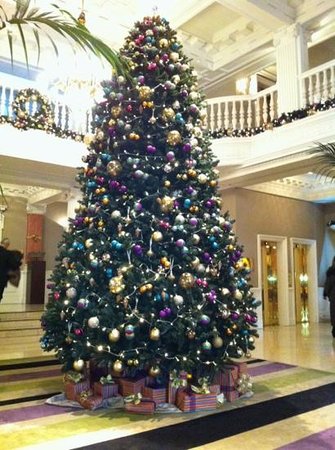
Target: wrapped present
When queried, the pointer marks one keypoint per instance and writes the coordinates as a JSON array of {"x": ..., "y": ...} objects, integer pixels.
[
  {"x": 242, "y": 367},
  {"x": 106, "y": 387},
  {"x": 130, "y": 386},
  {"x": 227, "y": 379},
  {"x": 176, "y": 381},
  {"x": 190, "y": 401},
  {"x": 158, "y": 394},
  {"x": 88, "y": 400},
  {"x": 74, "y": 384},
  {"x": 137, "y": 404}
]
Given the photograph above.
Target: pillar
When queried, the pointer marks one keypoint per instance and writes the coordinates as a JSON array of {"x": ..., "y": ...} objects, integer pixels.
[{"x": 292, "y": 60}]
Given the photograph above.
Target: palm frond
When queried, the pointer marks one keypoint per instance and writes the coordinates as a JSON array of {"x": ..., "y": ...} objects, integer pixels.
[
  {"x": 62, "y": 23},
  {"x": 325, "y": 159}
]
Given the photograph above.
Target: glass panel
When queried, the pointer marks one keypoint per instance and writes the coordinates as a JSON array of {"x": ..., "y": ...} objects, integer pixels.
[
  {"x": 300, "y": 282},
  {"x": 270, "y": 282}
]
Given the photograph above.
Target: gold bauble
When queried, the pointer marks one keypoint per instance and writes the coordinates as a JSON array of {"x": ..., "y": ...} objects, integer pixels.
[
  {"x": 88, "y": 138},
  {"x": 136, "y": 362},
  {"x": 168, "y": 114},
  {"x": 174, "y": 56},
  {"x": 195, "y": 262},
  {"x": 144, "y": 92},
  {"x": 116, "y": 111},
  {"x": 114, "y": 335},
  {"x": 116, "y": 285},
  {"x": 157, "y": 236},
  {"x": 194, "y": 209},
  {"x": 154, "y": 371},
  {"x": 163, "y": 43},
  {"x": 167, "y": 183},
  {"x": 202, "y": 178},
  {"x": 118, "y": 366},
  {"x": 125, "y": 268},
  {"x": 155, "y": 334},
  {"x": 89, "y": 243},
  {"x": 186, "y": 280},
  {"x": 78, "y": 365},
  {"x": 114, "y": 168},
  {"x": 173, "y": 137},
  {"x": 192, "y": 173},
  {"x": 191, "y": 334},
  {"x": 217, "y": 342},
  {"x": 166, "y": 203}
]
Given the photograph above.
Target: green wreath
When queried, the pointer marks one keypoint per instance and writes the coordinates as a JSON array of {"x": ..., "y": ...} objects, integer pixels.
[{"x": 42, "y": 118}]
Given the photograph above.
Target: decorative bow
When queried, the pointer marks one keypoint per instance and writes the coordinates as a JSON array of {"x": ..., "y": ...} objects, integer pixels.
[
  {"x": 203, "y": 388},
  {"x": 135, "y": 399},
  {"x": 84, "y": 395},
  {"x": 107, "y": 380},
  {"x": 176, "y": 381},
  {"x": 73, "y": 377},
  {"x": 243, "y": 384}
]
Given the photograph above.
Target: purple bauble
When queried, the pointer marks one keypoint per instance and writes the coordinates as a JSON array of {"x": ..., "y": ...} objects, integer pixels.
[
  {"x": 170, "y": 156},
  {"x": 211, "y": 296},
  {"x": 162, "y": 314},
  {"x": 113, "y": 184},
  {"x": 206, "y": 257},
  {"x": 204, "y": 320},
  {"x": 138, "y": 207},
  {"x": 187, "y": 147},
  {"x": 180, "y": 243},
  {"x": 234, "y": 315},
  {"x": 137, "y": 250},
  {"x": 193, "y": 221},
  {"x": 151, "y": 149}
]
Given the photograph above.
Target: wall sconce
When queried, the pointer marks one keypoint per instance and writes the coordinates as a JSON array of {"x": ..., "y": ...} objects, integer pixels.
[{"x": 331, "y": 225}]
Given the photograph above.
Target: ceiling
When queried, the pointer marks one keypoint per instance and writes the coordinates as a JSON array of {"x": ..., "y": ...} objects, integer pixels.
[{"x": 225, "y": 39}]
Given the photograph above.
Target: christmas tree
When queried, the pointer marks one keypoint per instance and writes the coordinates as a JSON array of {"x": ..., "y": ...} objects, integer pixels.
[{"x": 149, "y": 276}]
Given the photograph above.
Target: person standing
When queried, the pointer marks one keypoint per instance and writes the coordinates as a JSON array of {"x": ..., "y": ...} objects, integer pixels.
[{"x": 329, "y": 292}]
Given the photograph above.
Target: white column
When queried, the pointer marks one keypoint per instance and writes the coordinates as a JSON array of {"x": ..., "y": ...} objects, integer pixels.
[{"x": 292, "y": 60}]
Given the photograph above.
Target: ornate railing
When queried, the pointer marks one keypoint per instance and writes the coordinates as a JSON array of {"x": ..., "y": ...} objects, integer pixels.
[{"x": 235, "y": 112}]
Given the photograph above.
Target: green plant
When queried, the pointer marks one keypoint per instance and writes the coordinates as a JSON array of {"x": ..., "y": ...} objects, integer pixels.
[
  {"x": 43, "y": 24},
  {"x": 325, "y": 158}
]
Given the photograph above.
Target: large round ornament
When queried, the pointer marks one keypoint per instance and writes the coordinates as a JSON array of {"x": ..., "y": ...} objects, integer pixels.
[
  {"x": 71, "y": 292},
  {"x": 217, "y": 342},
  {"x": 93, "y": 322},
  {"x": 155, "y": 334},
  {"x": 207, "y": 346},
  {"x": 114, "y": 335},
  {"x": 157, "y": 236},
  {"x": 114, "y": 168},
  {"x": 166, "y": 203},
  {"x": 116, "y": 285},
  {"x": 144, "y": 92},
  {"x": 154, "y": 371},
  {"x": 129, "y": 331},
  {"x": 186, "y": 280},
  {"x": 178, "y": 300},
  {"x": 78, "y": 365},
  {"x": 173, "y": 137},
  {"x": 118, "y": 366}
]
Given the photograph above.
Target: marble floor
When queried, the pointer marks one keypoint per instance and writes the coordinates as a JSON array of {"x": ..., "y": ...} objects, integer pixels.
[{"x": 306, "y": 345}]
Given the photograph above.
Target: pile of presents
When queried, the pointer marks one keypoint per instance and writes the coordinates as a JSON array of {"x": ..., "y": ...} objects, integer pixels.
[{"x": 143, "y": 394}]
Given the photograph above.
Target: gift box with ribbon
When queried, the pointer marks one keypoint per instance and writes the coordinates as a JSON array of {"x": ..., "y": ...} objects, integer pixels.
[
  {"x": 227, "y": 379},
  {"x": 176, "y": 381},
  {"x": 189, "y": 401},
  {"x": 137, "y": 404},
  {"x": 106, "y": 387},
  {"x": 130, "y": 386},
  {"x": 74, "y": 384},
  {"x": 88, "y": 400},
  {"x": 158, "y": 394}
]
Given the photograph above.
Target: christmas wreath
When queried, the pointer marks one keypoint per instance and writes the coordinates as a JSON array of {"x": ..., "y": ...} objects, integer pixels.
[{"x": 32, "y": 110}]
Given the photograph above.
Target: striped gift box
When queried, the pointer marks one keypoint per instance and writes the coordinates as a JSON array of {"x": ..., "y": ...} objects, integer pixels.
[
  {"x": 227, "y": 379},
  {"x": 146, "y": 406},
  {"x": 188, "y": 402},
  {"x": 73, "y": 389},
  {"x": 158, "y": 394},
  {"x": 106, "y": 390},
  {"x": 130, "y": 386}
]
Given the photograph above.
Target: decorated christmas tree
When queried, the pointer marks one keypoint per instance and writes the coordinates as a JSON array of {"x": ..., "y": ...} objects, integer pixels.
[{"x": 149, "y": 276}]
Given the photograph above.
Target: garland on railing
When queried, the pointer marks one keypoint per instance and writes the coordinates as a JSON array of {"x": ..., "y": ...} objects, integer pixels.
[
  {"x": 282, "y": 120},
  {"x": 41, "y": 119}
]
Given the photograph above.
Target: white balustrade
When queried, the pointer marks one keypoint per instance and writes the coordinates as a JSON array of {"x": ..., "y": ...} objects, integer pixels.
[
  {"x": 318, "y": 84},
  {"x": 242, "y": 111}
]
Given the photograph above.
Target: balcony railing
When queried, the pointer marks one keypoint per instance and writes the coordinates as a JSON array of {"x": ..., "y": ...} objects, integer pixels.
[{"x": 236, "y": 112}]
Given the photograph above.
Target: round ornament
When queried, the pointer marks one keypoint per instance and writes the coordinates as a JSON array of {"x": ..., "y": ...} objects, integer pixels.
[
  {"x": 166, "y": 203},
  {"x": 217, "y": 342},
  {"x": 191, "y": 334},
  {"x": 118, "y": 366},
  {"x": 207, "y": 346},
  {"x": 144, "y": 92},
  {"x": 155, "y": 334},
  {"x": 129, "y": 331},
  {"x": 116, "y": 285},
  {"x": 173, "y": 137},
  {"x": 157, "y": 236},
  {"x": 114, "y": 335},
  {"x": 178, "y": 300},
  {"x": 154, "y": 371},
  {"x": 114, "y": 168},
  {"x": 78, "y": 365},
  {"x": 71, "y": 292},
  {"x": 186, "y": 280},
  {"x": 93, "y": 322}
]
